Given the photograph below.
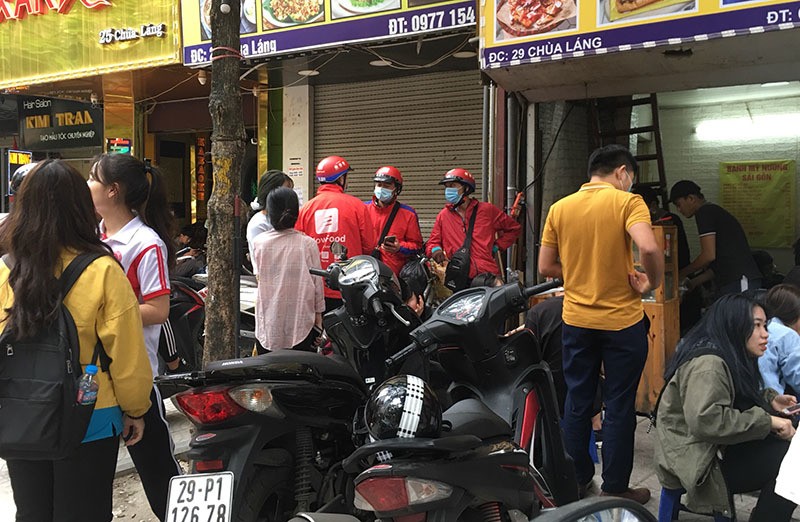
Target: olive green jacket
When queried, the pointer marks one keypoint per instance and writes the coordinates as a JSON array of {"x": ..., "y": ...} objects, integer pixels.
[{"x": 695, "y": 421}]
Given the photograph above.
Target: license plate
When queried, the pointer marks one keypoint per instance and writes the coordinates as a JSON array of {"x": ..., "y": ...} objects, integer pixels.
[{"x": 204, "y": 497}]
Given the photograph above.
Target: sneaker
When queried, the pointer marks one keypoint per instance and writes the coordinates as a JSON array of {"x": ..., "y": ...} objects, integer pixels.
[{"x": 640, "y": 495}]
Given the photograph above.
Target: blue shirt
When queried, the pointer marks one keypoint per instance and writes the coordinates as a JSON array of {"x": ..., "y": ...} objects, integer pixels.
[{"x": 780, "y": 364}]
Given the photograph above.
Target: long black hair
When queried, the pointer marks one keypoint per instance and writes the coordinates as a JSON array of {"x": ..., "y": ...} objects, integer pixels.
[
  {"x": 144, "y": 190},
  {"x": 723, "y": 331},
  {"x": 53, "y": 212}
]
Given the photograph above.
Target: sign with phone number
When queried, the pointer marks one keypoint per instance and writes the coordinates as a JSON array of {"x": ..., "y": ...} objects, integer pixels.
[{"x": 401, "y": 22}]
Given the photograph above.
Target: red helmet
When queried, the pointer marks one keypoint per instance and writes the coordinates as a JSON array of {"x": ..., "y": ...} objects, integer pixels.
[
  {"x": 390, "y": 174},
  {"x": 460, "y": 176},
  {"x": 332, "y": 168}
]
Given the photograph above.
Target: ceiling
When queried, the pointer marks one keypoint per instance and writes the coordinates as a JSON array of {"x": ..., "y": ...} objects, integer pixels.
[{"x": 739, "y": 93}]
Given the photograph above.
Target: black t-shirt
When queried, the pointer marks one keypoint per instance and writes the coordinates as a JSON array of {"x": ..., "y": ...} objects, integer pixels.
[
  {"x": 684, "y": 258},
  {"x": 733, "y": 259}
]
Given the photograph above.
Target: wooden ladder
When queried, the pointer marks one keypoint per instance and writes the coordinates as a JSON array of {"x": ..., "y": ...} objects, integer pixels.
[{"x": 606, "y": 136}]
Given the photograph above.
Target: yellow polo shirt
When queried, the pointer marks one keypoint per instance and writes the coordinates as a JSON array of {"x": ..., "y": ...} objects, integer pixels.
[{"x": 590, "y": 230}]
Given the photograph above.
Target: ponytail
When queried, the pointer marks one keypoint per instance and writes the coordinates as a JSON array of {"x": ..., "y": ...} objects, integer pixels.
[
  {"x": 145, "y": 193},
  {"x": 283, "y": 208}
]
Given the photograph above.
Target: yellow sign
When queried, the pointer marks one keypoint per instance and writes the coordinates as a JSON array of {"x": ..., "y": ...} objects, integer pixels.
[
  {"x": 761, "y": 194},
  {"x": 50, "y": 40},
  {"x": 513, "y": 32}
]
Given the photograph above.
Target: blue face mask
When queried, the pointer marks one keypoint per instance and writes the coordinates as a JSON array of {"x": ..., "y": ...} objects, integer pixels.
[
  {"x": 383, "y": 195},
  {"x": 452, "y": 195}
]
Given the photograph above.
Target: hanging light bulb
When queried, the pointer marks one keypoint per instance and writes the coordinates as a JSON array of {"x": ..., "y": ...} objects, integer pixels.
[{"x": 202, "y": 77}]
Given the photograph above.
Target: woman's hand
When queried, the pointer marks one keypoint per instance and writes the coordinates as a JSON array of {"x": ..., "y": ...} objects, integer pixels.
[
  {"x": 132, "y": 430},
  {"x": 782, "y": 427},
  {"x": 781, "y": 402}
]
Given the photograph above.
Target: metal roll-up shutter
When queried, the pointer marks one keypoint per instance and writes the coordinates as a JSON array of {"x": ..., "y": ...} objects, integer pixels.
[{"x": 423, "y": 125}]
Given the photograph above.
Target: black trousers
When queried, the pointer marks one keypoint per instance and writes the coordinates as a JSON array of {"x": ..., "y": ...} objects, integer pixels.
[
  {"x": 154, "y": 456},
  {"x": 752, "y": 466},
  {"x": 622, "y": 354},
  {"x": 76, "y": 489}
]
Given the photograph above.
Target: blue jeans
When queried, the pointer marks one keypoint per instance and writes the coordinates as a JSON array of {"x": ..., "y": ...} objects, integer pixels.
[{"x": 622, "y": 354}]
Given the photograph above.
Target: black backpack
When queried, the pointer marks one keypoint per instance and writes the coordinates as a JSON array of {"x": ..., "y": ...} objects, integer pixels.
[{"x": 40, "y": 418}]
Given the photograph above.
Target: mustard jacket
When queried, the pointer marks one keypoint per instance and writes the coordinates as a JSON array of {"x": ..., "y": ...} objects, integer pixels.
[{"x": 103, "y": 305}]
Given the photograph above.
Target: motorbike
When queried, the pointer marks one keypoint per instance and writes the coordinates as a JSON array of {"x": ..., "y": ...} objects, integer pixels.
[
  {"x": 501, "y": 454},
  {"x": 281, "y": 423}
]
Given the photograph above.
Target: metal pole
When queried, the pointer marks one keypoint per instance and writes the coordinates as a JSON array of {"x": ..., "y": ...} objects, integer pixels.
[
  {"x": 486, "y": 143},
  {"x": 512, "y": 158}
]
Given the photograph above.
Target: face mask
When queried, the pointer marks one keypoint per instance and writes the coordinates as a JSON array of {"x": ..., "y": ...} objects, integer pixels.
[
  {"x": 383, "y": 194},
  {"x": 630, "y": 187},
  {"x": 452, "y": 195}
]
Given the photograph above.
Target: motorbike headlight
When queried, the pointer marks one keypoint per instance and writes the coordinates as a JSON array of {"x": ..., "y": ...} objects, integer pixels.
[{"x": 253, "y": 397}]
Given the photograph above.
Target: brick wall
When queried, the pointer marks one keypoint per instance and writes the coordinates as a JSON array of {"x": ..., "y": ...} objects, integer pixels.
[{"x": 686, "y": 157}]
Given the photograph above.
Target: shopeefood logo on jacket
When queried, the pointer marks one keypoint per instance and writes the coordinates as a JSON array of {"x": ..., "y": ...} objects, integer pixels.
[{"x": 326, "y": 221}]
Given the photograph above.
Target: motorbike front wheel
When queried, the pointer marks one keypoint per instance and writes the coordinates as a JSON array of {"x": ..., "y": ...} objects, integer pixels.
[{"x": 268, "y": 497}]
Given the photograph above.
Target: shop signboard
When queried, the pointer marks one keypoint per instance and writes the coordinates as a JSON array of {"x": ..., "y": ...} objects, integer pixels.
[
  {"x": 761, "y": 194},
  {"x": 118, "y": 145},
  {"x": 514, "y": 32},
  {"x": 281, "y": 27},
  {"x": 16, "y": 159},
  {"x": 52, "y": 124},
  {"x": 51, "y": 40}
]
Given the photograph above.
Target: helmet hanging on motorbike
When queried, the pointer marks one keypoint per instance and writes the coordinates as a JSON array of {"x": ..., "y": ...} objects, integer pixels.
[
  {"x": 460, "y": 176},
  {"x": 390, "y": 174},
  {"x": 403, "y": 407},
  {"x": 332, "y": 168}
]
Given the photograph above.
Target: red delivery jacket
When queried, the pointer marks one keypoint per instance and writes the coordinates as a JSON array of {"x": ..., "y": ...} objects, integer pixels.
[
  {"x": 331, "y": 216},
  {"x": 492, "y": 227},
  {"x": 405, "y": 227}
]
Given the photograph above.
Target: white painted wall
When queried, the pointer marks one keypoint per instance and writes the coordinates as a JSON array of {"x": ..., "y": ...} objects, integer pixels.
[
  {"x": 686, "y": 157},
  {"x": 298, "y": 155}
]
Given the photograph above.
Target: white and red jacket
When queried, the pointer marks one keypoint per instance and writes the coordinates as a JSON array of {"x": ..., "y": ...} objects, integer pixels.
[
  {"x": 492, "y": 227},
  {"x": 143, "y": 256},
  {"x": 331, "y": 216},
  {"x": 405, "y": 227}
]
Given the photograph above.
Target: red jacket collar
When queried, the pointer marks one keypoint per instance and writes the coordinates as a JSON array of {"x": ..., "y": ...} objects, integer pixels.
[
  {"x": 330, "y": 187},
  {"x": 472, "y": 203}
]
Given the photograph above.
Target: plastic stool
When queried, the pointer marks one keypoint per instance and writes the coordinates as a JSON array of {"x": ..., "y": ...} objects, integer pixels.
[{"x": 670, "y": 505}]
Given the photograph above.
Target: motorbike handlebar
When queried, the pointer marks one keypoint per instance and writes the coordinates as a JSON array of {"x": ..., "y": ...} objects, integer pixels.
[
  {"x": 401, "y": 355},
  {"x": 543, "y": 287},
  {"x": 318, "y": 272},
  {"x": 377, "y": 308}
]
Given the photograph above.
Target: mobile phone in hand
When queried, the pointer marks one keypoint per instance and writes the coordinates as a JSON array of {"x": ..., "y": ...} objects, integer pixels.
[
  {"x": 792, "y": 410},
  {"x": 390, "y": 239}
]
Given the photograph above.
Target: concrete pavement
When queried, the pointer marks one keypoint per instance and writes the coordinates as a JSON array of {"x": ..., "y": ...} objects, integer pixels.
[{"x": 130, "y": 503}]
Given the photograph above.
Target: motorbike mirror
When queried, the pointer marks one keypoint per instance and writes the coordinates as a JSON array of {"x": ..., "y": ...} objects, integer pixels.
[
  {"x": 339, "y": 251},
  {"x": 599, "y": 509}
]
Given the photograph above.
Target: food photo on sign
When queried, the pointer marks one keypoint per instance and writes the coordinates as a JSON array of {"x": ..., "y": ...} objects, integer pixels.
[
  {"x": 611, "y": 11},
  {"x": 345, "y": 8},
  {"x": 247, "y": 22},
  {"x": 520, "y": 18},
  {"x": 286, "y": 13}
]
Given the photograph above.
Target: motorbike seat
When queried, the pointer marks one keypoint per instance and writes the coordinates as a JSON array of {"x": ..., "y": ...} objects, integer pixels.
[
  {"x": 473, "y": 417},
  {"x": 331, "y": 366}
]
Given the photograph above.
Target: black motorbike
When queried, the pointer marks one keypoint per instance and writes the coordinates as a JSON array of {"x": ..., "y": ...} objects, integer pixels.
[
  {"x": 500, "y": 455},
  {"x": 282, "y": 422}
]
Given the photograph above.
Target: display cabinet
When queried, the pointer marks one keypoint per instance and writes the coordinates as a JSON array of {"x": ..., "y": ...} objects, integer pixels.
[{"x": 662, "y": 307}]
